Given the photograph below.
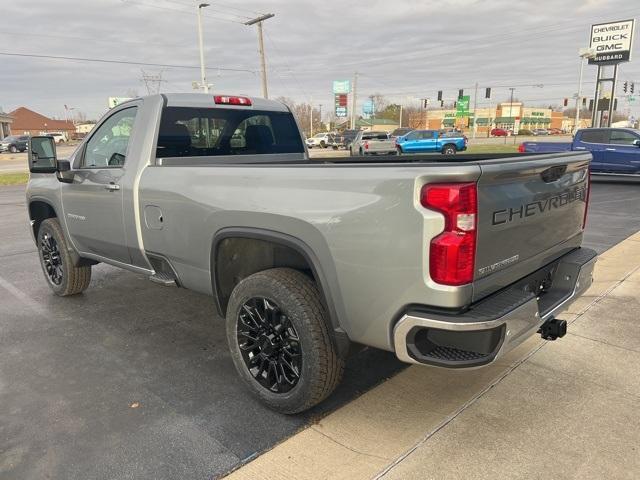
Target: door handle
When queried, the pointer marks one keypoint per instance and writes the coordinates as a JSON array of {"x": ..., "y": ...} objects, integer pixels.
[
  {"x": 112, "y": 187},
  {"x": 580, "y": 148},
  {"x": 610, "y": 149}
]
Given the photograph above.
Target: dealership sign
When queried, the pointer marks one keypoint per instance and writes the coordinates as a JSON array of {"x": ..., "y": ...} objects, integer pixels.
[{"x": 611, "y": 42}]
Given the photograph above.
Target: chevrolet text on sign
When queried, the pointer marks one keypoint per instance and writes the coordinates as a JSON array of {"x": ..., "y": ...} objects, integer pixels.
[{"x": 612, "y": 42}]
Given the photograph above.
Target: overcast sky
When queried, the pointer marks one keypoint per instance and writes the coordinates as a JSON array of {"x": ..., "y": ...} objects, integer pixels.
[{"x": 402, "y": 49}]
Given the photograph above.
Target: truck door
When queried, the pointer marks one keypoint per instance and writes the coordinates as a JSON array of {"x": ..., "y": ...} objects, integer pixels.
[
  {"x": 595, "y": 141},
  {"x": 93, "y": 203},
  {"x": 621, "y": 155}
]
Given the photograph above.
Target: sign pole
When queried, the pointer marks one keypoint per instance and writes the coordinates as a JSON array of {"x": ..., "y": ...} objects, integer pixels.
[
  {"x": 613, "y": 94},
  {"x": 596, "y": 95}
]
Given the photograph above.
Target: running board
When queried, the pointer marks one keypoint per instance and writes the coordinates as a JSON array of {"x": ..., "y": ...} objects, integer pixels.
[{"x": 164, "y": 278}]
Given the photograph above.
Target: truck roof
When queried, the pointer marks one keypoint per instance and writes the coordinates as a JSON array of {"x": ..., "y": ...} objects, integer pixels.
[{"x": 205, "y": 100}]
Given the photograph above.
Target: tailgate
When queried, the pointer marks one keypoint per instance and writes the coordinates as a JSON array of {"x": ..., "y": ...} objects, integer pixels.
[{"x": 530, "y": 212}]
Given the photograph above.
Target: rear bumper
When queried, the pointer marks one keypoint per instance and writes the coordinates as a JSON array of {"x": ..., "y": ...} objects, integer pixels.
[{"x": 496, "y": 324}]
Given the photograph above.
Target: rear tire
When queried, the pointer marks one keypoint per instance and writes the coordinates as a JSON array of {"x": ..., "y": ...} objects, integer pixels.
[
  {"x": 449, "y": 150},
  {"x": 280, "y": 342},
  {"x": 57, "y": 265}
]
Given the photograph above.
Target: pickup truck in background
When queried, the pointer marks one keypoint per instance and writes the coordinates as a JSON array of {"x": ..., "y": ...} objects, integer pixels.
[
  {"x": 615, "y": 151},
  {"x": 449, "y": 264},
  {"x": 431, "y": 141},
  {"x": 372, "y": 143}
]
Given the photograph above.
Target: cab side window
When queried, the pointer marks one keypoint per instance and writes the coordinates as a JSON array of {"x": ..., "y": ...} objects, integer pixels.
[
  {"x": 620, "y": 137},
  {"x": 595, "y": 136},
  {"x": 107, "y": 147}
]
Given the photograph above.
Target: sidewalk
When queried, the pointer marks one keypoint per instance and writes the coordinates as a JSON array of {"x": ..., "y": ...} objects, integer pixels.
[{"x": 564, "y": 409}]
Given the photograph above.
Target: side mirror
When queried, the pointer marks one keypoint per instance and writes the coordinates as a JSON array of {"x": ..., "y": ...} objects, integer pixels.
[
  {"x": 63, "y": 171},
  {"x": 636, "y": 143},
  {"x": 42, "y": 155}
]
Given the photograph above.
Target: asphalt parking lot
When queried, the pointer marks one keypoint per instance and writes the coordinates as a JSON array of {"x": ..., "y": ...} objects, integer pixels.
[{"x": 133, "y": 380}]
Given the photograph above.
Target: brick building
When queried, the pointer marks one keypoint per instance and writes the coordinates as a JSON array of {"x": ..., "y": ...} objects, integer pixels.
[{"x": 28, "y": 122}]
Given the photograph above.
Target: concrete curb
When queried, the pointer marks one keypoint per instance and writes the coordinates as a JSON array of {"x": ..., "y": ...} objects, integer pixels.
[{"x": 370, "y": 436}]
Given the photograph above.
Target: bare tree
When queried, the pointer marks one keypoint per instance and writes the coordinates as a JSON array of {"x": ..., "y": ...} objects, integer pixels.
[{"x": 302, "y": 112}]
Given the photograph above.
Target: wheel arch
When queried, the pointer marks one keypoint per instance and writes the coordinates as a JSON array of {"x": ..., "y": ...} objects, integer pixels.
[
  {"x": 268, "y": 249},
  {"x": 39, "y": 211}
]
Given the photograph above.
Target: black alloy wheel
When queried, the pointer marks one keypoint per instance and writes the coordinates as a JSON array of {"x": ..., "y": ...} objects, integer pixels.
[
  {"x": 269, "y": 345},
  {"x": 51, "y": 259}
]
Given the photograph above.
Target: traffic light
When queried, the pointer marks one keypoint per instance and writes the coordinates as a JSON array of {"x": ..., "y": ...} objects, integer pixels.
[
  {"x": 460, "y": 93},
  {"x": 584, "y": 102},
  {"x": 625, "y": 87},
  {"x": 439, "y": 95},
  {"x": 566, "y": 102},
  {"x": 455, "y": 104},
  {"x": 487, "y": 93},
  {"x": 632, "y": 87},
  {"x": 441, "y": 103},
  {"x": 425, "y": 102}
]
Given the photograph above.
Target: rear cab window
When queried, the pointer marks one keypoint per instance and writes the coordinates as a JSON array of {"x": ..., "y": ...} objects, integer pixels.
[
  {"x": 188, "y": 132},
  {"x": 595, "y": 136},
  {"x": 623, "y": 137}
]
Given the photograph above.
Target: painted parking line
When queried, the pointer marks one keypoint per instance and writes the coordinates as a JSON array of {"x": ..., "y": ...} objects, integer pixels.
[
  {"x": 370, "y": 436},
  {"x": 21, "y": 296}
]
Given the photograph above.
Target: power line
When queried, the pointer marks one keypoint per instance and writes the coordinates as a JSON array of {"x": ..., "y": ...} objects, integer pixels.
[
  {"x": 184, "y": 12},
  {"x": 122, "y": 62}
]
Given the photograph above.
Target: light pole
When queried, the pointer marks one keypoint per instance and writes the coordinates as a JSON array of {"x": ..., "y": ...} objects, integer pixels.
[
  {"x": 511, "y": 116},
  {"x": 583, "y": 53},
  {"x": 263, "y": 63},
  {"x": 203, "y": 75}
]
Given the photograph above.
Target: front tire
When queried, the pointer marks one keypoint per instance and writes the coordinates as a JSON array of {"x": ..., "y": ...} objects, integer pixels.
[
  {"x": 280, "y": 342},
  {"x": 57, "y": 265},
  {"x": 13, "y": 149}
]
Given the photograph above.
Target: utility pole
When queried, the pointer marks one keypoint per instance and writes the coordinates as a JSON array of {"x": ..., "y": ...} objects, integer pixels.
[
  {"x": 320, "y": 105},
  {"x": 475, "y": 110},
  {"x": 203, "y": 75},
  {"x": 584, "y": 53},
  {"x": 353, "y": 101},
  {"x": 400, "y": 122},
  {"x": 263, "y": 63},
  {"x": 311, "y": 118}
]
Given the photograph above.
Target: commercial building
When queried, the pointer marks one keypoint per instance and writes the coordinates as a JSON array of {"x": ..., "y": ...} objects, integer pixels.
[
  {"x": 374, "y": 124},
  {"x": 28, "y": 122},
  {"x": 5, "y": 124},
  {"x": 504, "y": 115}
]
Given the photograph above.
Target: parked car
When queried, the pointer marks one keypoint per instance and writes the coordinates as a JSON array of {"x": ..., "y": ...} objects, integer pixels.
[
  {"x": 344, "y": 139},
  {"x": 372, "y": 143},
  {"x": 442, "y": 263},
  {"x": 322, "y": 140},
  {"x": 59, "y": 137},
  {"x": 555, "y": 131},
  {"x": 499, "y": 132},
  {"x": 431, "y": 141},
  {"x": 616, "y": 151},
  {"x": 539, "y": 131},
  {"x": 14, "y": 143}
]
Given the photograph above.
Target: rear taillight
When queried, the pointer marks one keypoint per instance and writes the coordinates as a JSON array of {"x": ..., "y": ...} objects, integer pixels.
[
  {"x": 226, "y": 100},
  {"x": 452, "y": 253},
  {"x": 586, "y": 200},
  {"x": 366, "y": 145},
  {"x": 521, "y": 148}
]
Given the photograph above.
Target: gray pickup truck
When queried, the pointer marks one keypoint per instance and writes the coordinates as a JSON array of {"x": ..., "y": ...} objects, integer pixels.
[{"x": 448, "y": 261}]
